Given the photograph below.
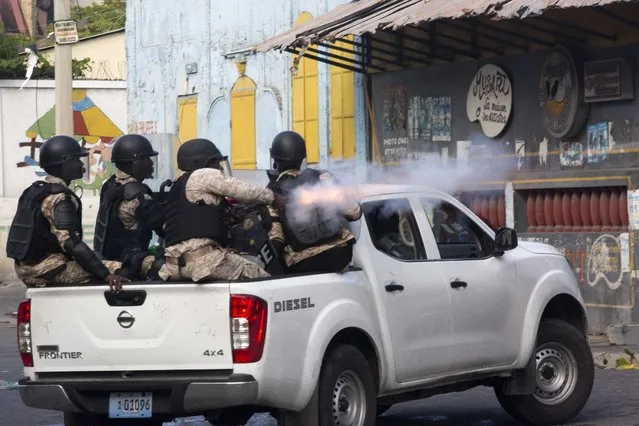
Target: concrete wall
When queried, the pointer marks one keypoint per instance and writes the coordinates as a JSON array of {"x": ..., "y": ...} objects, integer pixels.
[
  {"x": 161, "y": 44},
  {"x": 605, "y": 261},
  {"x": 107, "y": 53},
  {"x": 25, "y": 115}
]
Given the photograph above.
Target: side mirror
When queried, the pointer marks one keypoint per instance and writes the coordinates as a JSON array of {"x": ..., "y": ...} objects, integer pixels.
[{"x": 505, "y": 239}]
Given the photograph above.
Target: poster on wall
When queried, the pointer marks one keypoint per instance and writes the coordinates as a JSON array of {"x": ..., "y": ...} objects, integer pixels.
[
  {"x": 571, "y": 154},
  {"x": 633, "y": 209},
  {"x": 520, "y": 152},
  {"x": 419, "y": 123},
  {"x": 395, "y": 142},
  {"x": 430, "y": 119},
  {"x": 490, "y": 100},
  {"x": 441, "y": 117},
  {"x": 598, "y": 142}
]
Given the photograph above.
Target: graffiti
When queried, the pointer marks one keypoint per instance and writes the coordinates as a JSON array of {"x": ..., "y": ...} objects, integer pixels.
[
  {"x": 144, "y": 127},
  {"x": 604, "y": 262},
  {"x": 92, "y": 128},
  {"x": 601, "y": 262}
]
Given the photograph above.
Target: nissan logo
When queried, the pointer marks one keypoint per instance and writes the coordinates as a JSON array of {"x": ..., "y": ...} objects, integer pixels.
[{"x": 125, "y": 319}]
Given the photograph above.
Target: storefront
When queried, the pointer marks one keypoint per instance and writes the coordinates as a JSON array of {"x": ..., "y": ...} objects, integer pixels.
[{"x": 540, "y": 104}]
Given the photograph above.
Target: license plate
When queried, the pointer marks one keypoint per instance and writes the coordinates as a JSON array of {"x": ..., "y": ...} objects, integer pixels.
[{"x": 127, "y": 405}]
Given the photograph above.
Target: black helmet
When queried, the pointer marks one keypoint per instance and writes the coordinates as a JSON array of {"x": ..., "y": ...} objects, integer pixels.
[
  {"x": 288, "y": 147},
  {"x": 60, "y": 156},
  {"x": 131, "y": 154},
  {"x": 197, "y": 154}
]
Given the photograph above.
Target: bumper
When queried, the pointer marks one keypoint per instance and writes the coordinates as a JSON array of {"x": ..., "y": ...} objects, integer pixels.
[{"x": 170, "y": 396}]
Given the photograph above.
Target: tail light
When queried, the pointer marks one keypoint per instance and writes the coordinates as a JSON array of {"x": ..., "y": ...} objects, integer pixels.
[
  {"x": 24, "y": 333},
  {"x": 248, "y": 328}
]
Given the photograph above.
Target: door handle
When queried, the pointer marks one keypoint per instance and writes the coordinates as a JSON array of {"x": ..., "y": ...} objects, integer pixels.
[
  {"x": 393, "y": 286},
  {"x": 458, "y": 284}
]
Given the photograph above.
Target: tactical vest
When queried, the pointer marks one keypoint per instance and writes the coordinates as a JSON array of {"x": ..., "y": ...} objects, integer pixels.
[
  {"x": 312, "y": 227},
  {"x": 30, "y": 238},
  {"x": 186, "y": 220},
  {"x": 111, "y": 236}
]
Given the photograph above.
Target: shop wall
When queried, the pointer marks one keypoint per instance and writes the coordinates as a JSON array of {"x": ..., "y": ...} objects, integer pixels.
[{"x": 548, "y": 176}]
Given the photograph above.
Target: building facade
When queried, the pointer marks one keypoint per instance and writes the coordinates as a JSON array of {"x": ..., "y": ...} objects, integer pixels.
[
  {"x": 537, "y": 102},
  {"x": 191, "y": 74}
]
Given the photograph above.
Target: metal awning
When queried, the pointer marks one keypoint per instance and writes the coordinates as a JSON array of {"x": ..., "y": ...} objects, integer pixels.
[{"x": 369, "y": 16}]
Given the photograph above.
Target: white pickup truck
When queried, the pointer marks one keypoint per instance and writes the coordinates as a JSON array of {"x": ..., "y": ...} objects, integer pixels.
[{"x": 435, "y": 302}]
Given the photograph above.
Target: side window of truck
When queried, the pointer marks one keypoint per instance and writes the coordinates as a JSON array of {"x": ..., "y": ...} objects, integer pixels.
[
  {"x": 457, "y": 235},
  {"x": 393, "y": 229}
]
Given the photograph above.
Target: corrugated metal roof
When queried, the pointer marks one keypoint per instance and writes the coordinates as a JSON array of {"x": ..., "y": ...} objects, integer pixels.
[{"x": 368, "y": 16}]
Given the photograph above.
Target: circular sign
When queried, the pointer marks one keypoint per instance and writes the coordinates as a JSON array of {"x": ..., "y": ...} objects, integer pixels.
[
  {"x": 560, "y": 93},
  {"x": 490, "y": 100}
]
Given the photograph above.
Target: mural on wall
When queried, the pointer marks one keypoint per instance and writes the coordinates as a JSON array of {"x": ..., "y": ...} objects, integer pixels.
[
  {"x": 602, "y": 264},
  {"x": 93, "y": 129},
  {"x": 563, "y": 112},
  {"x": 598, "y": 142},
  {"x": 395, "y": 139},
  {"x": 490, "y": 100}
]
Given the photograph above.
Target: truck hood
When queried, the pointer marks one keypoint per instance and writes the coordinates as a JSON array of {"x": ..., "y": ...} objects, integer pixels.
[{"x": 539, "y": 248}]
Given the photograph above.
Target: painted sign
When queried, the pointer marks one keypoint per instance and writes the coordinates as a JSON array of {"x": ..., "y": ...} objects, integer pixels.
[
  {"x": 602, "y": 263},
  {"x": 563, "y": 113},
  {"x": 490, "y": 100},
  {"x": 66, "y": 32}
]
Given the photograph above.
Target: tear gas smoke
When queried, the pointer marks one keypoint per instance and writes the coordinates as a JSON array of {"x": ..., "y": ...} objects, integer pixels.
[{"x": 350, "y": 185}]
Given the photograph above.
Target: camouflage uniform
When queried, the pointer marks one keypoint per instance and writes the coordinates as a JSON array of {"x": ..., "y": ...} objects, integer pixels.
[
  {"x": 292, "y": 257},
  {"x": 204, "y": 257},
  {"x": 57, "y": 268},
  {"x": 126, "y": 213}
]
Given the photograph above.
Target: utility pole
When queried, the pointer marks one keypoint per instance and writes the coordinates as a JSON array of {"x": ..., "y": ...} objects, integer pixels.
[{"x": 63, "y": 75}]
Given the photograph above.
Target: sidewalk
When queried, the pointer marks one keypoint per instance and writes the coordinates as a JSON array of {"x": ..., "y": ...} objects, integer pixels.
[{"x": 608, "y": 356}]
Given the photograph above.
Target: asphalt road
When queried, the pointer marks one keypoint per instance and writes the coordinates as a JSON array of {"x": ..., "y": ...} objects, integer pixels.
[{"x": 614, "y": 401}]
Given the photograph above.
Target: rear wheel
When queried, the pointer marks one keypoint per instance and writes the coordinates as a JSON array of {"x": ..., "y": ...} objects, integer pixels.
[
  {"x": 345, "y": 396},
  {"x": 82, "y": 419},
  {"x": 565, "y": 376}
]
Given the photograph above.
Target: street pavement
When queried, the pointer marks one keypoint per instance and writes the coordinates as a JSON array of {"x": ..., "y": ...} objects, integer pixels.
[{"x": 614, "y": 400}]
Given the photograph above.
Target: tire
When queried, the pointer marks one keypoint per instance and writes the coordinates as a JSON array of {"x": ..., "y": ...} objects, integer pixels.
[
  {"x": 81, "y": 419},
  {"x": 564, "y": 359},
  {"x": 347, "y": 392}
]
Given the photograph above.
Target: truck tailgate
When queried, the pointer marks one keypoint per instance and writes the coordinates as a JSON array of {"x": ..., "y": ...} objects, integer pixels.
[{"x": 146, "y": 327}]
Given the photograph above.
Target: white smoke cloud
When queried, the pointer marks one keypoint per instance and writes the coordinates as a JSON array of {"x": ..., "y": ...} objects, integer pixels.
[{"x": 445, "y": 176}]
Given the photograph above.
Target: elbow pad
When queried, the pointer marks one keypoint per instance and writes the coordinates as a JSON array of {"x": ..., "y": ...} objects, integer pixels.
[{"x": 81, "y": 253}]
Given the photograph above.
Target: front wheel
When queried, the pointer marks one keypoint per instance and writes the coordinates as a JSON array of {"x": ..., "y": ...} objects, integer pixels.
[{"x": 565, "y": 375}]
